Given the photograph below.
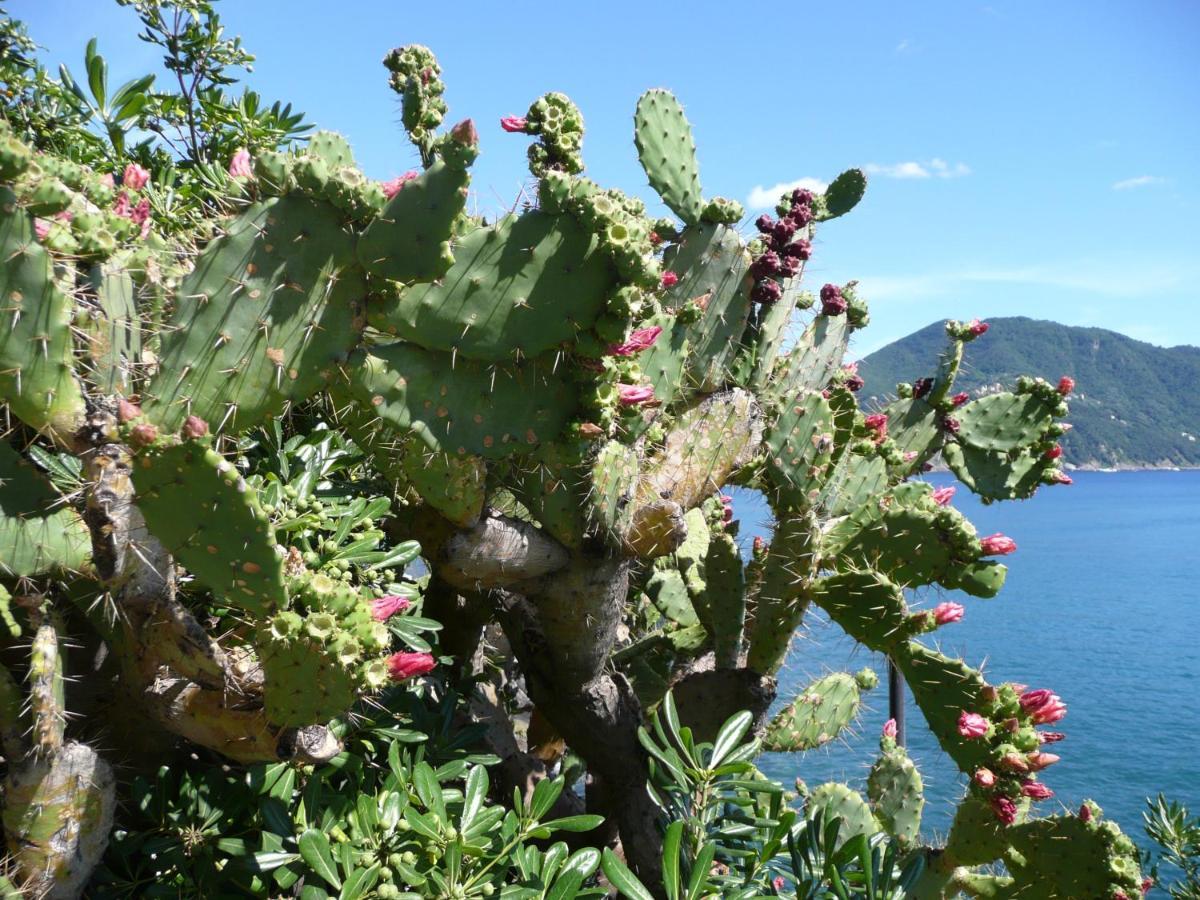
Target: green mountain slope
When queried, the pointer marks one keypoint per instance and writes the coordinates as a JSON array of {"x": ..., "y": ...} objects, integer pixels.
[{"x": 1135, "y": 404}]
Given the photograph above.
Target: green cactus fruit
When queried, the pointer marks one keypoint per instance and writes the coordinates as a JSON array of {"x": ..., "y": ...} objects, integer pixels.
[
  {"x": 15, "y": 157},
  {"x": 843, "y": 194},
  {"x": 668, "y": 153},
  {"x": 409, "y": 241},
  {"x": 799, "y": 447},
  {"x": 416, "y": 78},
  {"x": 39, "y": 533},
  {"x": 1004, "y": 422},
  {"x": 58, "y": 813},
  {"x": 833, "y": 799},
  {"x": 49, "y": 197},
  {"x": 7, "y": 620},
  {"x": 37, "y": 372},
  {"x": 979, "y": 579},
  {"x": 456, "y": 486},
  {"x": 994, "y": 475},
  {"x": 270, "y": 308},
  {"x": 722, "y": 211},
  {"x": 114, "y": 335},
  {"x": 462, "y": 407},
  {"x": 896, "y": 793},
  {"x": 712, "y": 265},
  {"x": 818, "y": 715},
  {"x": 722, "y": 605},
  {"x": 614, "y": 476},
  {"x": 518, "y": 288},
  {"x": 559, "y": 124},
  {"x": 226, "y": 540}
]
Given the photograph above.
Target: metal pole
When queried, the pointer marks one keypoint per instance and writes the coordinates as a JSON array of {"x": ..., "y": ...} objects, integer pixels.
[{"x": 896, "y": 700}]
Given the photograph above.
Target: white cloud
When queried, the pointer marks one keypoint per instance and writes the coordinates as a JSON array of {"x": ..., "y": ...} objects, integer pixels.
[
  {"x": 763, "y": 197},
  {"x": 1140, "y": 181},
  {"x": 904, "y": 46},
  {"x": 933, "y": 168}
]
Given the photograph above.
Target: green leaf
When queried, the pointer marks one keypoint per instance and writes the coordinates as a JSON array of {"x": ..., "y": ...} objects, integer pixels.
[
  {"x": 574, "y": 823},
  {"x": 672, "y": 841},
  {"x": 700, "y": 869},
  {"x": 566, "y": 886},
  {"x": 265, "y": 862},
  {"x": 314, "y": 848},
  {"x": 359, "y": 882},
  {"x": 429, "y": 790},
  {"x": 545, "y": 792},
  {"x": 585, "y": 861},
  {"x": 97, "y": 73},
  {"x": 621, "y": 878},
  {"x": 730, "y": 736},
  {"x": 476, "y": 793}
]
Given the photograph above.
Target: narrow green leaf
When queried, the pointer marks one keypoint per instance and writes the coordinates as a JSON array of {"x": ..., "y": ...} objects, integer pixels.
[
  {"x": 314, "y": 848},
  {"x": 670, "y": 859},
  {"x": 730, "y": 736},
  {"x": 621, "y": 878}
]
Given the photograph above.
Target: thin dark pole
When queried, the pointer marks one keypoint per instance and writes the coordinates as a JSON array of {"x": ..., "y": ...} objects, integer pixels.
[{"x": 896, "y": 700}]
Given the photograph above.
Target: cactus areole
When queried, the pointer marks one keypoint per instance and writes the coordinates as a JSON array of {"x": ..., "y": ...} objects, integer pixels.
[{"x": 560, "y": 395}]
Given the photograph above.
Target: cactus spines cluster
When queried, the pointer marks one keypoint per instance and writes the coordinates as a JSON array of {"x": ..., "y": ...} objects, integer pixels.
[{"x": 558, "y": 400}]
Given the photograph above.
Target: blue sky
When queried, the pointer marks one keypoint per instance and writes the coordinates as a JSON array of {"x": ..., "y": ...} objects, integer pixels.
[{"x": 1037, "y": 159}]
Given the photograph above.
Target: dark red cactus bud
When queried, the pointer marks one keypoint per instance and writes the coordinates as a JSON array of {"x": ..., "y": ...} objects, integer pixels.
[
  {"x": 1036, "y": 790},
  {"x": 127, "y": 411},
  {"x": 783, "y": 231},
  {"x": 799, "y": 215},
  {"x": 655, "y": 239},
  {"x": 143, "y": 435},
  {"x": 802, "y": 197},
  {"x": 835, "y": 306},
  {"x": 855, "y": 383},
  {"x": 764, "y": 223},
  {"x": 669, "y": 279},
  {"x": 765, "y": 265},
  {"x": 1004, "y": 810},
  {"x": 760, "y": 546},
  {"x": 960, "y": 398},
  {"x": 766, "y": 291},
  {"x": 464, "y": 132},
  {"x": 922, "y": 386},
  {"x": 1050, "y": 737},
  {"x": 789, "y": 266},
  {"x": 798, "y": 249},
  {"x": 1054, "y": 452},
  {"x": 1066, "y": 384},
  {"x": 1085, "y": 812},
  {"x": 194, "y": 427},
  {"x": 951, "y": 424}
]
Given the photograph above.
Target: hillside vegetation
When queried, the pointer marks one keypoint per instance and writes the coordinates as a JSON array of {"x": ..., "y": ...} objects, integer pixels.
[{"x": 1135, "y": 404}]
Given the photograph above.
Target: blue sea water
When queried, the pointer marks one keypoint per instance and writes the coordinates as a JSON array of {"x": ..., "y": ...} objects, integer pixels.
[{"x": 1100, "y": 605}]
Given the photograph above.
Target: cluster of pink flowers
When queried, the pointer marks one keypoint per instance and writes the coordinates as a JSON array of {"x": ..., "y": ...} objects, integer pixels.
[
  {"x": 1043, "y": 705},
  {"x": 392, "y": 188},
  {"x": 404, "y": 665},
  {"x": 135, "y": 178},
  {"x": 639, "y": 340}
]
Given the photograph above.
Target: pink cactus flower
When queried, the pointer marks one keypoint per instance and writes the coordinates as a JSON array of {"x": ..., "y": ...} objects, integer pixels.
[
  {"x": 943, "y": 496},
  {"x": 778, "y": 883},
  {"x": 383, "y": 608},
  {"x": 877, "y": 423},
  {"x": 1035, "y": 790},
  {"x": 1066, "y": 384},
  {"x": 1054, "y": 452},
  {"x": 759, "y": 546},
  {"x": 41, "y": 227},
  {"x": 1038, "y": 760},
  {"x": 392, "y": 188},
  {"x": 669, "y": 279},
  {"x": 960, "y": 398},
  {"x": 405, "y": 665},
  {"x": 239, "y": 166},
  {"x": 135, "y": 177},
  {"x": 977, "y": 328},
  {"x": 1063, "y": 478},
  {"x": 1147, "y": 883},
  {"x": 972, "y": 725},
  {"x": 997, "y": 545},
  {"x": 1085, "y": 812},
  {"x": 1050, "y": 737},
  {"x": 1044, "y": 706},
  {"x": 1004, "y": 810},
  {"x": 1014, "y": 762},
  {"x": 889, "y": 729},
  {"x": 122, "y": 206},
  {"x": 634, "y": 394},
  {"x": 946, "y": 613},
  {"x": 985, "y": 778},
  {"x": 107, "y": 179},
  {"x": 640, "y": 339},
  {"x": 140, "y": 214},
  {"x": 514, "y": 123},
  {"x": 726, "y": 508}
]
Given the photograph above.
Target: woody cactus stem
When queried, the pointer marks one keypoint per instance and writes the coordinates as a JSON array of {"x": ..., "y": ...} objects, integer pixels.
[{"x": 561, "y": 398}]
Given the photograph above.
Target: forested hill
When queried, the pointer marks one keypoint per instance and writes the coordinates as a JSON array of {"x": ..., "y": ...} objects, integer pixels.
[{"x": 1135, "y": 404}]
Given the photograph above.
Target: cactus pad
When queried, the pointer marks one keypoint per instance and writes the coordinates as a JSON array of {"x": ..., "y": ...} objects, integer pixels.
[
  {"x": 843, "y": 194},
  {"x": 799, "y": 447},
  {"x": 846, "y": 804},
  {"x": 225, "y": 540},
  {"x": 39, "y": 533},
  {"x": 1004, "y": 422},
  {"x": 269, "y": 309},
  {"x": 896, "y": 792},
  {"x": 816, "y": 716},
  {"x": 668, "y": 153}
]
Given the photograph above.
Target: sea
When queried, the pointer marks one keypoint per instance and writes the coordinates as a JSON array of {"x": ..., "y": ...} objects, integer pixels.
[{"x": 1101, "y": 605}]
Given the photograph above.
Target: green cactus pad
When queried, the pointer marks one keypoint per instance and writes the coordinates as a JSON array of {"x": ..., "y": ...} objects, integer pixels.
[
  {"x": 463, "y": 407},
  {"x": 669, "y": 594},
  {"x": 305, "y": 682},
  {"x": 664, "y": 361},
  {"x": 712, "y": 264},
  {"x": 39, "y": 533},
  {"x": 818, "y": 715},
  {"x": 223, "y": 537},
  {"x": 37, "y": 372},
  {"x": 813, "y": 360},
  {"x": 518, "y": 288},
  {"x": 843, "y": 194},
  {"x": 799, "y": 447},
  {"x": 1004, "y": 422},
  {"x": 722, "y": 605},
  {"x": 456, "y": 486},
  {"x": 897, "y": 794},
  {"x": 551, "y": 484},
  {"x": 409, "y": 241},
  {"x": 779, "y": 599},
  {"x": 668, "y": 153},
  {"x": 913, "y": 425},
  {"x": 773, "y": 332},
  {"x": 944, "y": 688},
  {"x": 1064, "y": 856},
  {"x": 993, "y": 475},
  {"x": 855, "y": 480},
  {"x": 114, "y": 336},
  {"x": 865, "y": 605},
  {"x": 614, "y": 475},
  {"x": 331, "y": 148},
  {"x": 846, "y": 804},
  {"x": 270, "y": 308},
  {"x": 913, "y": 546}
]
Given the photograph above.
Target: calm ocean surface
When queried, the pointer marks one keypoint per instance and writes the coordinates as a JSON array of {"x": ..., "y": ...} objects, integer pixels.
[{"x": 1101, "y": 605}]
